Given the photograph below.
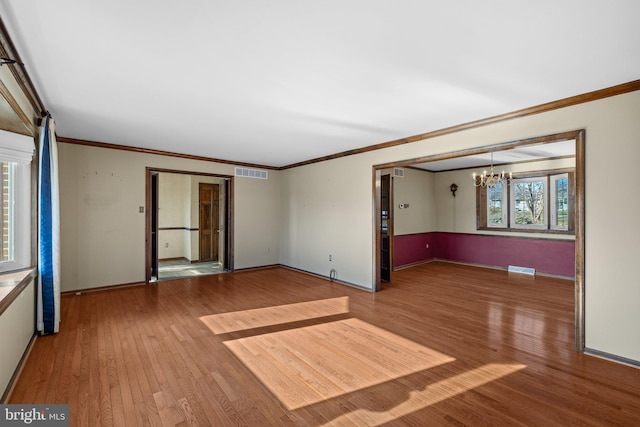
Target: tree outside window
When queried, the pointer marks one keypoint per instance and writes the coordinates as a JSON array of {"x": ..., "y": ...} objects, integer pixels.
[{"x": 529, "y": 202}]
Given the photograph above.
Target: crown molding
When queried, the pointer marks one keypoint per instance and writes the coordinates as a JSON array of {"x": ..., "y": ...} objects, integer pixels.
[
  {"x": 542, "y": 108},
  {"x": 158, "y": 152},
  {"x": 550, "y": 106},
  {"x": 8, "y": 50}
]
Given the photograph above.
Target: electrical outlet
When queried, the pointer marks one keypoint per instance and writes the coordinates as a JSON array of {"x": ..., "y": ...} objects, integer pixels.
[
  {"x": 166, "y": 245},
  {"x": 330, "y": 258}
]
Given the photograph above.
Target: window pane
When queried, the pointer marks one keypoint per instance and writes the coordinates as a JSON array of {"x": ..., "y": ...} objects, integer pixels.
[
  {"x": 529, "y": 203},
  {"x": 495, "y": 207},
  {"x": 6, "y": 200},
  {"x": 562, "y": 202}
]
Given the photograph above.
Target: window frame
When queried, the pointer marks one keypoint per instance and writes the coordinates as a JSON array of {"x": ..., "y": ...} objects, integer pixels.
[
  {"x": 505, "y": 210},
  {"x": 482, "y": 204},
  {"x": 19, "y": 151},
  {"x": 553, "y": 200},
  {"x": 21, "y": 220},
  {"x": 545, "y": 201}
]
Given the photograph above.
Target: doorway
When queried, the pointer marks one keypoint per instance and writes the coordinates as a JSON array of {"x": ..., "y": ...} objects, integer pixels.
[
  {"x": 386, "y": 227},
  {"x": 189, "y": 224},
  {"x": 579, "y": 210}
]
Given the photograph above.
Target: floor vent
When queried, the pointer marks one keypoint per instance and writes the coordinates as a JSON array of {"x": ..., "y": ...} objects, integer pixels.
[
  {"x": 251, "y": 173},
  {"x": 523, "y": 270},
  {"x": 398, "y": 172}
]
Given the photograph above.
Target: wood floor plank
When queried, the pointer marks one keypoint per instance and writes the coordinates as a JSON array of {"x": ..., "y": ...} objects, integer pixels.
[{"x": 443, "y": 344}]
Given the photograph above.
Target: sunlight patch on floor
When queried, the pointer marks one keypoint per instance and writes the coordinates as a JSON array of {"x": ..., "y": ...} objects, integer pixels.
[
  {"x": 432, "y": 394},
  {"x": 308, "y": 365},
  {"x": 250, "y": 319}
]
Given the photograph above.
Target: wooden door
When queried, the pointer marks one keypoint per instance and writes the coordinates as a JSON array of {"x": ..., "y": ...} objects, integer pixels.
[{"x": 209, "y": 221}]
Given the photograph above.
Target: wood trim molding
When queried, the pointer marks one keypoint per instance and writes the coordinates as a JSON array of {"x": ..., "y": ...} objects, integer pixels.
[
  {"x": 158, "y": 152},
  {"x": 180, "y": 258},
  {"x": 563, "y": 136},
  {"x": 579, "y": 298},
  {"x": 24, "y": 118},
  {"x": 8, "y": 50},
  {"x": 542, "y": 108},
  {"x": 183, "y": 172},
  {"x": 177, "y": 228}
]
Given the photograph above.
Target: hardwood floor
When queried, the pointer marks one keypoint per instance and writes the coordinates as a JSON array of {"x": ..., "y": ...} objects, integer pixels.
[{"x": 443, "y": 345}]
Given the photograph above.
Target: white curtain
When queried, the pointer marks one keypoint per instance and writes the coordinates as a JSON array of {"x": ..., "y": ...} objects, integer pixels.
[{"x": 48, "y": 231}]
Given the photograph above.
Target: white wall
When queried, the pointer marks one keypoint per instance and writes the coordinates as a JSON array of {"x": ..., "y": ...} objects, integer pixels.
[
  {"x": 258, "y": 217},
  {"x": 17, "y": 325},
  {"x": 174, "y": 204},
  {"x": 417, "y": 189},
  {"x": 103, "y": 233},
  {"x": 328, "y": 207},
  {"x": 327, "y": 210}
]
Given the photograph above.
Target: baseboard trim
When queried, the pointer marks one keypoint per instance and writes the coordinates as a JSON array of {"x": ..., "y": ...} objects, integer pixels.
[
  {"x": 492, "y": 267},
  {"x": 612, "y": 357},
  {"x": 179, "y": 258},
  {"x": 102, "y": 288},
  {"x": 261, "y": 267},
  {"x": 340, "y": 282},
  {"x": 18, "y": 371},
  {"x": 414, "y": 264}
]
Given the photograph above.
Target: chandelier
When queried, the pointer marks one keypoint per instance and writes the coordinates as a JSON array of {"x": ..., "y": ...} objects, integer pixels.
[{"x": 490, "y": 180}]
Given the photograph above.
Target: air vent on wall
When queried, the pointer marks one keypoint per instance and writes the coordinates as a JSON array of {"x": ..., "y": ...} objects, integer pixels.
[
  {"x": 523, "y": 270},
  {"x": 251, "y": 173},
  {"x": 398, "y": 172}
]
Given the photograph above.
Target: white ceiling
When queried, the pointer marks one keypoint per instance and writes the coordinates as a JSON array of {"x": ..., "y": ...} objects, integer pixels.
[
  {"x": 519, "y": 154},
  {"x": 283, "y": 81}
]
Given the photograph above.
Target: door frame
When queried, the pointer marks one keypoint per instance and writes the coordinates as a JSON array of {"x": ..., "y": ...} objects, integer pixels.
[
  {"x": 228, "y": 215},
  {"x": 579, "y": 206},
  {"x": 153, "y": 227}
]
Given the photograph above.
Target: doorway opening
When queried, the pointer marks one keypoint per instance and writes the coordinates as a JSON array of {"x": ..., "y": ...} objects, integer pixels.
[
  {"x": 530, "y": 144},
  {"x": 189, "y": 224}
]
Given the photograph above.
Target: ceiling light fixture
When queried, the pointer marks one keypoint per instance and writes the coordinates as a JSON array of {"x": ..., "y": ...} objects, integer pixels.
[{"x": 490, "y": 180}]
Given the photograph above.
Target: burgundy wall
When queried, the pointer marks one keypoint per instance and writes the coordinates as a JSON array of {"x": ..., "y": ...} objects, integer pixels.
[
  {"x": 547, "y": 256},
  {"x": 411, "y": 248}
]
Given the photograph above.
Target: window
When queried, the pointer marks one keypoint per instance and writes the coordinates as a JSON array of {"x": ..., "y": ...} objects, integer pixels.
[
  {"x": 536, "y": 202},
  {"x": 528, "y": 203},
  {"x": 559, "y": 203},
  {"x": 496, "y": 211},
  {"x": 15, "y": 201}
]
